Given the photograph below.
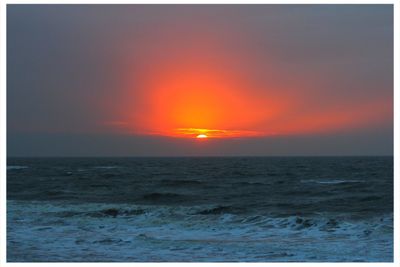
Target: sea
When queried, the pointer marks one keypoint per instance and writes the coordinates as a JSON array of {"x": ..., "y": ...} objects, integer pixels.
[{"x": 205, "y": 209}]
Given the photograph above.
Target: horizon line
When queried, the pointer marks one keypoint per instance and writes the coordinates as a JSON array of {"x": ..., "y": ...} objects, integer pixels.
[{"x": 203, "y": 156}]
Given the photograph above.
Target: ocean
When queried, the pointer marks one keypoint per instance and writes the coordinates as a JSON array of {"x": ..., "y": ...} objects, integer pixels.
[{"x": 206, "y": 209}]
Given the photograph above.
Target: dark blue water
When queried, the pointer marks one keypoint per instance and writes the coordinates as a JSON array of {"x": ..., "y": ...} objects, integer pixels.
[{"x": 200, "y": 209}]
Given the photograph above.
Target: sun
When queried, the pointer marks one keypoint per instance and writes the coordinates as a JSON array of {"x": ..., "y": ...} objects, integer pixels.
[{"x": 201, "y": 136}]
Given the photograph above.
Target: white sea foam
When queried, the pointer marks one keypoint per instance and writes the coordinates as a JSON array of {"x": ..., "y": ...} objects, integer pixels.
[
  {"x": 41, "y": 231},
  {"x": 332, "y": 181}
]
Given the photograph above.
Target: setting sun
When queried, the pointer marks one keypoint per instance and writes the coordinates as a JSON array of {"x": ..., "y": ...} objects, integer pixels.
[{"x": 205, "y": 133}]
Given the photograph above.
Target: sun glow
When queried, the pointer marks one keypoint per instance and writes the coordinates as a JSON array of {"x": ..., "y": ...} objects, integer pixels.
[
  {"x": 212, "y": 133},
  {"x": 201, "y": 88}
]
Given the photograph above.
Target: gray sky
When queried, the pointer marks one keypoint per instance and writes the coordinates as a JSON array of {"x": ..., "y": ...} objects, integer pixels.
[{"x": 93, "y": 80}]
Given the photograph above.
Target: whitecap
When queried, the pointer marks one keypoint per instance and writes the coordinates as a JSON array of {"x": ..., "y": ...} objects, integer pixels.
[
  {"x": 331, "y": 181},
  {"x": 106, "y": 167}
]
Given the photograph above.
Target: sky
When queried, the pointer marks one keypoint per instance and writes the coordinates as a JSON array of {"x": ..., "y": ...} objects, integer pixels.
[{"x": 147, "y": 80}]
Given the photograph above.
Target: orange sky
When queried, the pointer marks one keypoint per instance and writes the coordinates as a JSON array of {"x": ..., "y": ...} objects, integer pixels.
[
  {"x": 183, "y": 79},
  {"x": 255, "y": 79}
]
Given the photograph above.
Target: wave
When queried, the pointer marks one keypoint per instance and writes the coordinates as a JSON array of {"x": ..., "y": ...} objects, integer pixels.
[
  {"x": 100, "y": 213},
  {"x": 121, "y": 227},
  {"x": 16, "y": 167},
  {"x": 56, "y": 194},
  {"x": 328, "y": 182},
  {"x": 216, "y": 210},
  {"x": 164, "y": 197},
  {"x": 106, "y": 167},
  {"x": 249, "y": 183},
  {"x": 170, "y": 182},
  {"x": 116, "y": 212},
  {"x": 193, "y": 218}
]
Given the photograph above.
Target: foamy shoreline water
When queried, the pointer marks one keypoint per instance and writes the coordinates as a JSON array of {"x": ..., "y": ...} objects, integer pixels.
[{"x": 255, "y": 210}]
